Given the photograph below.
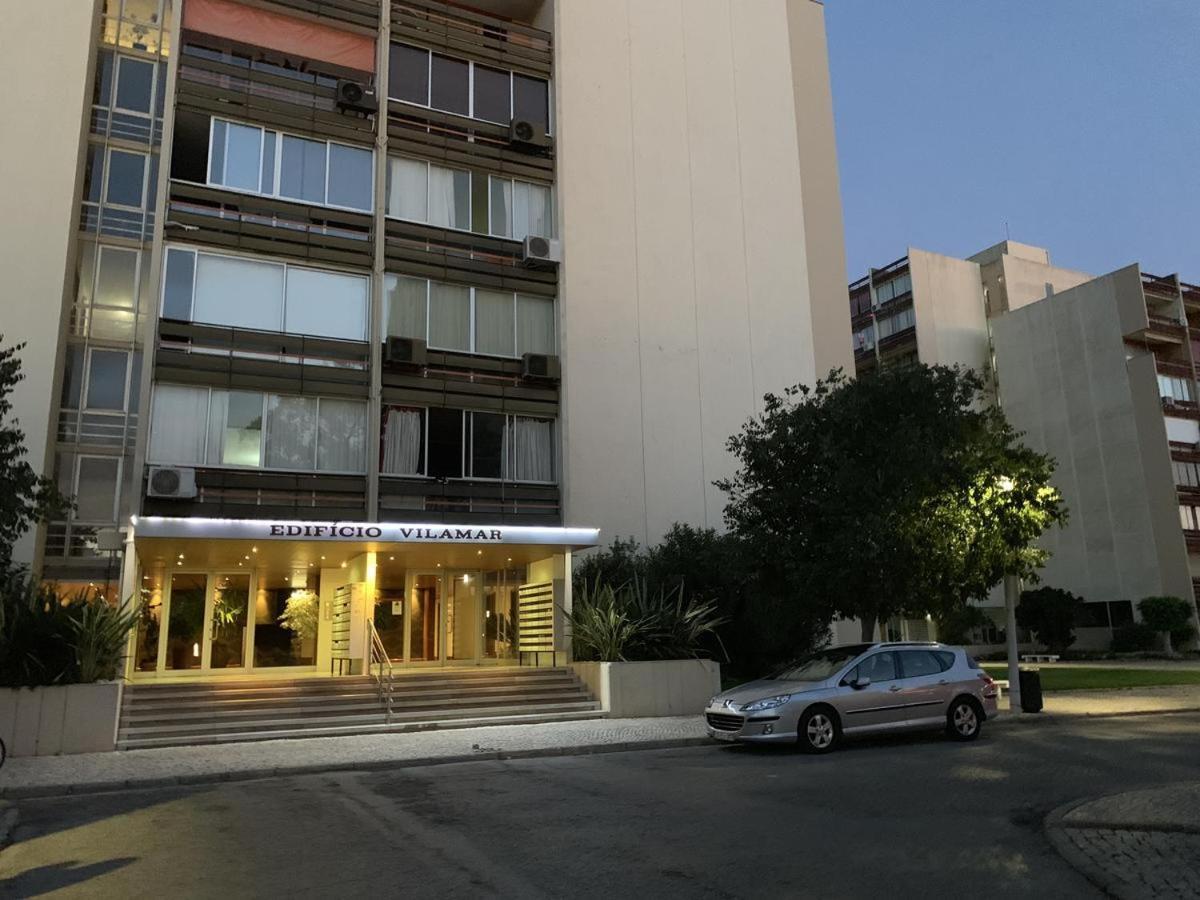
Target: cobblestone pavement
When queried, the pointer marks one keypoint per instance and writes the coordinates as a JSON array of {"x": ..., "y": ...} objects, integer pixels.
[
  {"x": 1125, "y": 701},
  {"x": 85, "y": 772},
  {"x": 1140, "y": 844}
]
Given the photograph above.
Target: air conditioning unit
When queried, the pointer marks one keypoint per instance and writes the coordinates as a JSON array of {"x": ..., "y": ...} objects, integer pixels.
[
  {"x": 541, "y": 367},
  {"x": 541, "y": 253},
  {"x": 402, "y": 351},
  {"x": 356, "y": 96},
  {"x": 528, "y": 137},
  {"x": 171, "y": 482}
]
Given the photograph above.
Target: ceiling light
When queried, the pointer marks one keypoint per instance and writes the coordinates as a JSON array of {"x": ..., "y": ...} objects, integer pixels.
[{"x": 253, "y": 549}]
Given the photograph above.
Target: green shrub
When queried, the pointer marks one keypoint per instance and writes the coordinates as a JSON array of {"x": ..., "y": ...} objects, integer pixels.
[
  {"x": 631, "y": 622},
  {"x": 955, "y": 627},
  {"x": 1136, "y": 637},
  {"x": 1171, "y": 616},
  {"x": 100, "y": 635},
  {"x": 1050, "y": 614}
]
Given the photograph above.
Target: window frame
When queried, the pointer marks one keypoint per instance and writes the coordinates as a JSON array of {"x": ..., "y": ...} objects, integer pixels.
[
  {"x": 429, "y": 282},
  {"x": 104, "y": 198},
  {"x": 512, "y": 73},
  {"x": 116, "y": 502},
  {"x": 86, "y": 383},
  {"x": 426, "y": 221},
  {"x": 196, "y": 251},
  {"x": 513, "y": 182},
  {"x": 98, "y": 265},
  {"x": 274, "y": 193},
  {"x": 262, "y": 448},
  {"x": 115, "y": 87}
]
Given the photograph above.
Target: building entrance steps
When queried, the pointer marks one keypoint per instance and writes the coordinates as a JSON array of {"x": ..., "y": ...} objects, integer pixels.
[{"x": 167, "y": 713}]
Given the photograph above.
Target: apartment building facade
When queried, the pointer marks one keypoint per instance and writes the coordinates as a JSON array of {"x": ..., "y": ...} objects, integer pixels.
[
  {"x": 1096, "y": 371},
  {"x": 389, "y": 307}
]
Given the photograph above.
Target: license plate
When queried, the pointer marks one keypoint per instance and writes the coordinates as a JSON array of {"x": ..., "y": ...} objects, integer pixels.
[{"x": 725, "y": 735}]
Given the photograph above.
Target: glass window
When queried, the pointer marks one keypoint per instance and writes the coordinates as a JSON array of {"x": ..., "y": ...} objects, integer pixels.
[
  {"x": 342, "y": 437},
  {"x": 493, "y": 323},
  {"x": 93, "y": 173},
  {"x": 242, "y": 293},
  {"x": 531, "y": 449},
  {"x": 1187, "y": 518},
  {"x": 96, "y": 493},
  {"x": 408, "y": 189},
  {"x": 267, "y": 184},
  {"x": 331, "y": 304},
  {"x": 302, "y": 169},
  {"x": 178, "y": 421},
  {"x": 408, "y": 74},
  {"x": 403, "y": 441},
  {"x": 291, "y": 432},
  {"x": 406, "y": 301},
  {"x": 126, "y": 176},
  {"x": 531, "y": 100},
  {"x": 917, "y": 663},
  {"x": 72, "y": 386},
  {"x": 350, "y": 177},
  {"x": 450, "y": 317},
  {"x": 177, "y": 287},
  {"x": 116, "y": 277},
  {"x": 243, "y": 157},
  {"x": 135, "y": 84},
  {"x": 487, "y": 444},
  {"x": 535, "y": 325},
  {"x": 445, "y": 438},
  {"x": 106, "y": 379},
  {"x": 450, "y": 85},
  {"x": 493, "y": 95},
  {"x": 879, "y": 668},
  {"x": 532, "y": 211},
  {"x": 500, "y": 214},
  {"x": 449, "y": 198},
  {"x": 276, "y": 644},
  {"x": 235, "y": 428},
  {"x": 944, "y": 658}
]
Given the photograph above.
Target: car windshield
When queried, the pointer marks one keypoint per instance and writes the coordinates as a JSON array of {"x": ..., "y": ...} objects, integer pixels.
[{"x": 820, "y": 665}]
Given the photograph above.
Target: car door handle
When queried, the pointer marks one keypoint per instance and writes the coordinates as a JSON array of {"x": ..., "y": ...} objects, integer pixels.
[
  {"x": 943, "y": 681},
  {"x": 894, "y": 688}
]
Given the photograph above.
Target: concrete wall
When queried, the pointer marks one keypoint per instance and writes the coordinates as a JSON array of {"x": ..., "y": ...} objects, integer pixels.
[
  {"x": 674, "y": 687},
  {"x": 1016, "y": 275},
  {"x": 49, "y": 721},
  {"x": 40, "y": 152},
  {"x": 1065, "y": 381},
  {"x": 687, "y": 290},
  {"x": 949, "y": 308}
]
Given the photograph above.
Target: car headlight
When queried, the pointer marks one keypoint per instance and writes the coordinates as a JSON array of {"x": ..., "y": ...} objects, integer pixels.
[
  {"x": 767, "y": 703},
  {"x": 712, "y": 701}
]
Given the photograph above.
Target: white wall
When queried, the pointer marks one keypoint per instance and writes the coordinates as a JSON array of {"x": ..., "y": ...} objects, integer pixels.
[
  {"x": 45, "y": 68},
  {"x": 686, "y": 286},
  {"x": 949, "y": 308}
]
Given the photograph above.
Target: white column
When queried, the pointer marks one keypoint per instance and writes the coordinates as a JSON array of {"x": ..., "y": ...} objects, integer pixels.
[{"x": 1012, "y": 589}]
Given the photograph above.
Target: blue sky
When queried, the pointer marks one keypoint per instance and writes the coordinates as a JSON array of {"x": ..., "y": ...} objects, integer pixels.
[{"x": 1077, "y": 122}]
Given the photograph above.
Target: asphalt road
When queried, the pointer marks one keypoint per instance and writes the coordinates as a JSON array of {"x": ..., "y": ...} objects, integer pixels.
[{"x": 897, "y": 817}]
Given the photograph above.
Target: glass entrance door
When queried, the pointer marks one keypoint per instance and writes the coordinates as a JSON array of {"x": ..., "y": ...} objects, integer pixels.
[
  {"x": 462, "y": 617},
  {"x": 444, "y": 614},
  {"x": 207, "y": 620}
]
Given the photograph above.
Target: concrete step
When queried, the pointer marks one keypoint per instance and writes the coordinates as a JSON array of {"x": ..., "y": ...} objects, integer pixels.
[{"x": 524, "y": 718}]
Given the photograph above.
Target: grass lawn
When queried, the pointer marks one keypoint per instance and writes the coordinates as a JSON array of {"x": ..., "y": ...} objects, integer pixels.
[{"x": 1076, "y": 679}]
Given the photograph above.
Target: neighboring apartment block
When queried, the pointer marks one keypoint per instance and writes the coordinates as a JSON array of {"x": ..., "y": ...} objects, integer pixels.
[
  {"x": 370, "y": 301},
  {"x": 1098, "y": 372}
]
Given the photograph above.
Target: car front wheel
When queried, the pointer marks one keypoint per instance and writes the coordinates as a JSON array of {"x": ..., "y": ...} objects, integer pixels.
[
  {"x": 819, "y": 731},
  {"x": 964, "y": 720}
]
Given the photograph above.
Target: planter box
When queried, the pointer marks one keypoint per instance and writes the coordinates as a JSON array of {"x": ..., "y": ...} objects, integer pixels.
[
  {"x": 673, "y": 687},
  {"x": 48, "y": 721}
]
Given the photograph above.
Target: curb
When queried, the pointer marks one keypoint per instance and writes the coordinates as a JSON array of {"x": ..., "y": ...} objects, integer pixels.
[
  {"x": 9, "y": 817},
  {"x": 1011, "y": 718},
  {"x": 378, "y": 765}
]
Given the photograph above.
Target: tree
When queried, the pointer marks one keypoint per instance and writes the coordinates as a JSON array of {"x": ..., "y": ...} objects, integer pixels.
[
  {"x": 25, "y": 497},
  {"x": 1170, "y": 615},
  {"x": 1050, "y": 614},
  {"x": 900, "y": 493}
]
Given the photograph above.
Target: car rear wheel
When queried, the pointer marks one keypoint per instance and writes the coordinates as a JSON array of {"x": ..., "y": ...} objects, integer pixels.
[
  {"x": 964, "y": 720},
  {"x": 819, "y": 731}
]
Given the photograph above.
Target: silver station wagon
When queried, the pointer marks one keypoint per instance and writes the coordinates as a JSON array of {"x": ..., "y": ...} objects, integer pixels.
[{"x": 858, "y": 689}]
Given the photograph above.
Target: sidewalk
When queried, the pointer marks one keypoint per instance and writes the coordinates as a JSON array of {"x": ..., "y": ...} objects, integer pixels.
[
  {"x": 1139, "y": 844},
  {"x": 89, "y": 772},
  {"x": 1122, "y": 702}
]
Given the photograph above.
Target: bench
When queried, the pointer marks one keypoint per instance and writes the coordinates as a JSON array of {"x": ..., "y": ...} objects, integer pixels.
[{"x": 1039, "y": 657}]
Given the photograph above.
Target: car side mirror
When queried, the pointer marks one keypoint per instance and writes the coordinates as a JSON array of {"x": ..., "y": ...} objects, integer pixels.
[{"x": 861, "y": 682}]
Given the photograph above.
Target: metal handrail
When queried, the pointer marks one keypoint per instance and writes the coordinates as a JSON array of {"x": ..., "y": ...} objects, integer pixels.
[{"x": 379, "y": 657}]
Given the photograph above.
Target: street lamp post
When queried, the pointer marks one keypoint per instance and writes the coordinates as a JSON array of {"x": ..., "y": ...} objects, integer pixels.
[{"x": 1012, "y": 589}]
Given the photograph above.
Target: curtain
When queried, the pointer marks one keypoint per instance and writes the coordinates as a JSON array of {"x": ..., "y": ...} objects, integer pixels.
[
  {"x": 501, "y": 206},
  {"x": 408, "y": 186},
  {"x": 450, "y": 317},
  {"x": 329, "y": 304},
  {"x": 235, "y": 428},
  {"x": 402, "y": 442},
  {"x": 218, "y": 412},
  {"x": 493, "y": 323},
  {"x": 531, "y": 449},
  {"x": 291, "y": 432},
  {"x": 441, "y": 197},
  {"x": 407, "y": 299},
  {"x": 533, "y": 213},
  {"x": 177, "y": 421},
  {"x": 241, "y": 293},
  {"x": 342, "y": 437},
  {"x": 535, "y": 325}
]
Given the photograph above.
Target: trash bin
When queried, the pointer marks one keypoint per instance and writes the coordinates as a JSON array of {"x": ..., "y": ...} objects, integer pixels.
[{"x": 1031, "y": 690}]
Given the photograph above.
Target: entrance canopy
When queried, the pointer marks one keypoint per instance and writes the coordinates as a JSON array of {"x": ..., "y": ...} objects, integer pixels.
[{"x": 234, "y": 543}]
